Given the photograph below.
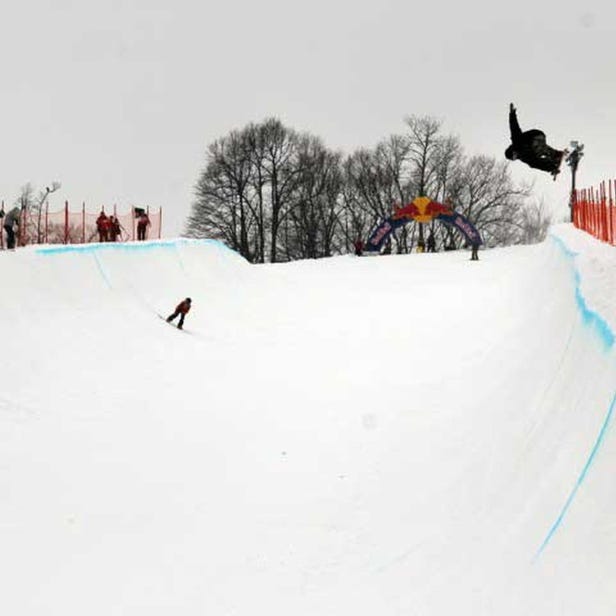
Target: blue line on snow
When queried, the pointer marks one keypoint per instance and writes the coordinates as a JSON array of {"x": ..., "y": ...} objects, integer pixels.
[
  {"x": 581, "y": 478},
  {"x": 127, "y": 246},
  {"x": 590, "y": 317},
  {"x": 101, "y": 270}
]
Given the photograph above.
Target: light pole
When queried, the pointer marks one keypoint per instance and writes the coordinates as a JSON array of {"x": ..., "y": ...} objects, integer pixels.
[{"x": 573, "y": 160}]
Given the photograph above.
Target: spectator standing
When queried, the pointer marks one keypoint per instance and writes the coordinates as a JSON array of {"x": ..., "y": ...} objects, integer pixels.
[
  {"x": 475, "y": 251},
  {"x": 431, "y": 242},
  {"x": 143, "y": 222},
  {"x": 102, "y": 226},
  {"x": 114, "y": 228},
  {"x": 10, "y": 220},
  {"x": 359, "y": 248}
]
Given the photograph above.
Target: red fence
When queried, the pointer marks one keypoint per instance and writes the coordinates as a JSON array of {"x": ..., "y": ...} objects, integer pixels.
[
  {"x": 594, "y": 211},
  {"x": 66, "y": 227}
]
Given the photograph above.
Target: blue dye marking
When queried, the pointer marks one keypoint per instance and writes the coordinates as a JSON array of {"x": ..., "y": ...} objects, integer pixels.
[
  {"x": 96, "y": 249},
  {"x": 128, "y": 246},
  {"x": 590, "y": 317},
  {"x": 101, "y": 270},
  {"x": 581, "y": 478},
  {"x": 600, "y": 326},
  {"x": 179, "y": 256}
]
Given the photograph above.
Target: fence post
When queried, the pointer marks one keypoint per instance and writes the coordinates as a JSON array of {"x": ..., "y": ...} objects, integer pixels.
[
  {"x": 66, "y": 222},
  {"x": 23, "y": 221},
  {"x": 160, "y": 222},
  {"x": 611, "y": 213},
  {"x": 606, "y": 234}
]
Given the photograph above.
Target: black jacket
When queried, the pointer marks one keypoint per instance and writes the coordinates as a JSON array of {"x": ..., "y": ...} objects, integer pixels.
[{"x": 531, "y": 147}]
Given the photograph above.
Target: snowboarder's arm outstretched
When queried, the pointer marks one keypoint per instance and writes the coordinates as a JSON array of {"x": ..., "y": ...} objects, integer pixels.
[{"x": 514, "y": 127}]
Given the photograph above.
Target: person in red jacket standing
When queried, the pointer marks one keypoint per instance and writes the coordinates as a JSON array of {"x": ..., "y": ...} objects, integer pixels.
[
  {"x": 181, "y": 309},
  {"x": 102, "y": 226}
]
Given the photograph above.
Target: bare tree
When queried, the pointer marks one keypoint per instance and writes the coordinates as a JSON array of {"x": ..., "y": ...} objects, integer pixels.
[
  {"x": 370, "y": 185},
  {"x": 484, "y": 192},
  {"x": 281, "y": 173},
  {"x": 534, "y": 223},
  {"x": 424, "y": 141},
  {"x": 271, "y": 193},
  {"x": 43, "y": 196},
  {"x": 32, "y": 203},
  {"x": 315, "y": 215},
  {"x": 247, "y": 189}
]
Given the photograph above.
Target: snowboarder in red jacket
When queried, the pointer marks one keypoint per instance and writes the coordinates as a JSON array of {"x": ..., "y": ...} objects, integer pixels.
[{"x": 181, "y": 309}]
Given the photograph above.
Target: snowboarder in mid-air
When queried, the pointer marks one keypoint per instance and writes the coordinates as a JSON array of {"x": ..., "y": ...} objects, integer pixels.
[
  {"x": 182, "y": 310},
  {"x": 531, "y": 148}
]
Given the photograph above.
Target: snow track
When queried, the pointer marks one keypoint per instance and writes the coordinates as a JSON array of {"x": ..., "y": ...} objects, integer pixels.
[{"x": 400, "y": 435}]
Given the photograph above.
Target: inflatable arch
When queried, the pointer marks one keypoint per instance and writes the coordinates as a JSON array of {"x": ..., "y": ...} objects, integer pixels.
[{"x": 422, "y": 209}]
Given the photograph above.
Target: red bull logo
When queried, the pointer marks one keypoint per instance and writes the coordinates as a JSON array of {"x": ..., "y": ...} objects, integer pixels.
[{"x": 422, "y": 209}]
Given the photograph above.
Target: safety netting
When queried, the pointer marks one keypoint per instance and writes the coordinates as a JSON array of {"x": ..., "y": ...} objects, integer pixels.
[{"x": 80, "y": 227}]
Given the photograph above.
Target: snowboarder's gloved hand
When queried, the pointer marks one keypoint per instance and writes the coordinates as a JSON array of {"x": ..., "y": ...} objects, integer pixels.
[{"x": 511, "y": 107}]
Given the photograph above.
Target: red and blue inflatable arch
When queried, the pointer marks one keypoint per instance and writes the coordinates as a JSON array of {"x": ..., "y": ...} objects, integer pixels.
[{"x": 422, "y": 209}]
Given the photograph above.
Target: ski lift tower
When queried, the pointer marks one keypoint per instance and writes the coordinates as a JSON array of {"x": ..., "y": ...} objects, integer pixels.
[{"x": 573, "y": 160}]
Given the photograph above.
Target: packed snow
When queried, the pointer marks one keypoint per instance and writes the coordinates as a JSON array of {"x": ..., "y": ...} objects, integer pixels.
[{"x": 411, "y": 434}]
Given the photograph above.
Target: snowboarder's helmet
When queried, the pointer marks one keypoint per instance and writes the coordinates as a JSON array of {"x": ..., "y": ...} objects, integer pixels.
[{"x": 188, "y": 300}]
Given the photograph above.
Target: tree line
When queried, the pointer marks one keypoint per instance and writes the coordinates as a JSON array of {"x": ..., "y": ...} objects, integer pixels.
[{"x": 273, "y": 194}]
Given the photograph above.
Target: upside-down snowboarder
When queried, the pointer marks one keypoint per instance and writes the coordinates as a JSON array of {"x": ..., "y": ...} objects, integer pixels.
[{"x": 531, "y": 148}]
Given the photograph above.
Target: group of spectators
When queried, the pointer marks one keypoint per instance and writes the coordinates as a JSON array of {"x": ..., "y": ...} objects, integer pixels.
[
  {"x": 109, "y": 228},
  {"x": 429, "y": 246}
]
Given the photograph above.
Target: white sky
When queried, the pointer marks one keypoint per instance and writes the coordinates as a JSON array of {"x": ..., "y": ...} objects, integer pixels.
[
  {"x": 413, "y": 434},
  {"x": 118, "y": 100}
]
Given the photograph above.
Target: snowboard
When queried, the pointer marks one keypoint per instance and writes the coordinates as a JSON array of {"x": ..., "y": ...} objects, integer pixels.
[{"x": 160, "y": 316}]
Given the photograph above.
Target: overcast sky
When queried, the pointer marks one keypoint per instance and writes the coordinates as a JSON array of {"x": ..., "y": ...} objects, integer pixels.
[{"x": 118, "y": 100}]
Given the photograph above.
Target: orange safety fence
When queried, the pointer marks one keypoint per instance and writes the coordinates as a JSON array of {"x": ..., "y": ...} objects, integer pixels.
[
  {"x": 70, "y": 227},
  {"x": 594, "y": 211}
]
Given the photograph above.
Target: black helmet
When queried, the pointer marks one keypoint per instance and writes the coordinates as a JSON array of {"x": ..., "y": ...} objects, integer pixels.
[{"x": 188, "y": 300}]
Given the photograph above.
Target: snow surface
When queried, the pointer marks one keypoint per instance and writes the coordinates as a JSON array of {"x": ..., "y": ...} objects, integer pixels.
[{"x": 416, "y": 434}]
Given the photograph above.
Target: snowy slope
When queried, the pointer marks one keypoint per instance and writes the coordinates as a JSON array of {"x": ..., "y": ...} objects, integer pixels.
[{"x": 413, "y": 434}]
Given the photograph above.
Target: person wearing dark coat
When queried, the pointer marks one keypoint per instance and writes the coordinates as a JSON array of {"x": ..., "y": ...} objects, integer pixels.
[
  {"x": 531, "y": 147},
  {"x": 10, "y": 220},
  {"x": 182, "y": 310},
  {"x": 102, "y": 226},
  {"x": 431, "y": 242},
  {"x": 475, "y": 251},
  {"x": 114, "y": 228},
  {"x": 143, "y": 222}
]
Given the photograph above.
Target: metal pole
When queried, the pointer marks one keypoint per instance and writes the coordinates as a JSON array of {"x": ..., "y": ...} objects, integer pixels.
[{"x": 573, "y": 160}]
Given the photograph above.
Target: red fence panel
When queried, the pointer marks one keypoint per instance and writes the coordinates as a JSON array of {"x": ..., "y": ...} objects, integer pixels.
[
  {"x": 594, "y": 211},
  {"x": 78, "y": 227}
]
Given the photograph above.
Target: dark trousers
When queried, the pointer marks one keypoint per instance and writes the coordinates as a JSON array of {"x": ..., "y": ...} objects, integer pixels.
[
  {"x": 10, "y": 236},
  {"x": 141, "y": 232},
  {"x": 175, "y": 314}
]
